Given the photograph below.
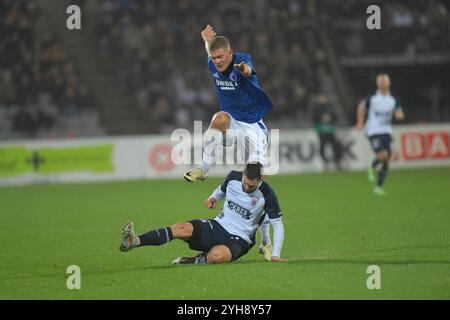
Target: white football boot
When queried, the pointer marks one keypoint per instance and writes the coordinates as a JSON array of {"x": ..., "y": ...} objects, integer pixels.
[{"x": 266, "y": 251}]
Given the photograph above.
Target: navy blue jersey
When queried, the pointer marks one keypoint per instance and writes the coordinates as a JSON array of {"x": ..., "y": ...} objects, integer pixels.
[{"x": 240, "y": 96}]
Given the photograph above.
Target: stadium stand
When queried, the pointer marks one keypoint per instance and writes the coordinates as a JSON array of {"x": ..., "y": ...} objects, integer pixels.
[
  {"x": 413, "y": 46},
  {"x": 158, "y": 46},
  {"x": 152, "y": 53},
  {"x": 41, "y": 94}
]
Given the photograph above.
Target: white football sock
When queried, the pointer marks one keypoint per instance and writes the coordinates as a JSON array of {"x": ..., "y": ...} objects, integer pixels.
[{"x": 211, "y": 139}]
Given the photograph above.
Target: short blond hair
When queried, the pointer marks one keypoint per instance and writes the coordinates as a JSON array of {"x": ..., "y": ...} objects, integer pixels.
[{"x": 218, "y": 43}]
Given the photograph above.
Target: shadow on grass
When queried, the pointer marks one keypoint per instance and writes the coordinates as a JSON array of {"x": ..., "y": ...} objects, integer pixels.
[
  {"x": 86, "y": 271},
  {"x": 364, "y": 261}
]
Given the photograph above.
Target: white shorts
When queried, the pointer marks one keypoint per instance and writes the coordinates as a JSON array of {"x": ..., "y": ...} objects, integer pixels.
[{"x": 251, "y": 140}]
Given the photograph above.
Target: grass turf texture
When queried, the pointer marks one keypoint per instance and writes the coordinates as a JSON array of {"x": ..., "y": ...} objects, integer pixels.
[{"x": 334, "y": 229}]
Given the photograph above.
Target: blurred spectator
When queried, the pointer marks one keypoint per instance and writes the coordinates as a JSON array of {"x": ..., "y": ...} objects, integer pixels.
[
  {"x": 402, "y": 23},
  {"x": 325, "y": 124},
  {"x": 413, "y": 45},
  {"x": 157, "y": 42},
  {"x": 160, "y": 59},
  {"x": 24, "y": 122},
  {"x": 36, "y": 72}
]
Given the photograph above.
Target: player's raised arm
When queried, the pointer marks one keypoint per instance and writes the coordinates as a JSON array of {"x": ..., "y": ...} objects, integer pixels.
[
  {"x": 207, "y": 34},
  {"x": 360, "y": 115}
]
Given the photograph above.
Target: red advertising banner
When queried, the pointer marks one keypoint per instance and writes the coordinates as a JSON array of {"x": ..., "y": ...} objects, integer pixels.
[{"x": 425, "y": 145}]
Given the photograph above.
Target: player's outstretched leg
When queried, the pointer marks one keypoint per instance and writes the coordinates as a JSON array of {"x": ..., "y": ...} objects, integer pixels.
[
  {"x": 154, "y": 237},
  {"x": 129, "y": 239},
  {"x": 217, "y": 254},
  {"x": 200, "y": 259},
  {"x": 215, "y": 135}
]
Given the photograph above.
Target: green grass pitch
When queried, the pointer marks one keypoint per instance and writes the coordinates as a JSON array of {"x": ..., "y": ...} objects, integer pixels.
[{"x": 334, "y": 229}]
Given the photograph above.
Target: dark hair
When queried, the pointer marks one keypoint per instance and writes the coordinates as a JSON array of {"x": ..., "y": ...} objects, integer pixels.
[
  {"x": 253, "y": 170},
  {"x": 219, "y": 42}
]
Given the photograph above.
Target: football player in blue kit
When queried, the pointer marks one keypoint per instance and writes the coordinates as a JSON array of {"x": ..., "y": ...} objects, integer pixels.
[{"x": 243, "y": 105}]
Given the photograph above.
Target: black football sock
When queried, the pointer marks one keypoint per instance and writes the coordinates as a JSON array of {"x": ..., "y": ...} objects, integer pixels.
[
  {"x": 382, "y": 174},
  {"x": 375, "y": 163},
  {"x": 202, "y": 258},
  {"x": 156, "y": 237}
]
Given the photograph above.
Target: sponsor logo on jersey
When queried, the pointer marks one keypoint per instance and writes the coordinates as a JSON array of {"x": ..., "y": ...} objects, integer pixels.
[
  {"x": 238, "y": 209},
  {"x": 226, "y": 85},
  {"x": 383, "y": 114}
]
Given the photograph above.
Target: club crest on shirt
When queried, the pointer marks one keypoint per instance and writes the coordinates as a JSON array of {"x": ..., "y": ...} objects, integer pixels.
[
  {"x": 233, "y": 77},
  {"x": 254, "y": 202}
]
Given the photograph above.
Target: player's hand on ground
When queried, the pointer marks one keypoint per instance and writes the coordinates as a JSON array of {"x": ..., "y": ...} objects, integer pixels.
[
  {"x": 359, "y": 126},
  {"x": 210, "y": 203},
  {"x": 278, "y": 259},
  {"x": 208, "y": 33}
]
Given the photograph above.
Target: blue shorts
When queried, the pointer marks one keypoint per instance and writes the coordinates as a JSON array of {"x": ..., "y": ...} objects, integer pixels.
[
  {"x": 208, "y": 233},
  {"x": 380, "y": 142}
]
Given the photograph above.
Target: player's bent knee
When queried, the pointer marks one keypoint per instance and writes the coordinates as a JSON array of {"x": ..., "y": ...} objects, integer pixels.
[
  {"x": 214, "y": 257},
  {"x": 219, "y": 254},
  {"x": 182, "y": 230},
  {"x": 220, "y": 120},
  {"x": 383, "y": 156}
]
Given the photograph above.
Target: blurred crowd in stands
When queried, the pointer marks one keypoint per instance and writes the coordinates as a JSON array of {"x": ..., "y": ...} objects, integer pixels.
[
  {"x": 38, "y": 81},
  {"x": 162, "y": 60},
  {"x": 408, "y": 27},
  {"x": 159, "y": 58},
  {"x": 410, "y": 31}
]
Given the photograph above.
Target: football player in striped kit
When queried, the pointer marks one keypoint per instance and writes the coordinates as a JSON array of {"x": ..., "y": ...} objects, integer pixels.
[
  {"x": 380, "y": 108},
  {"x": 230, "y": 235}
]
